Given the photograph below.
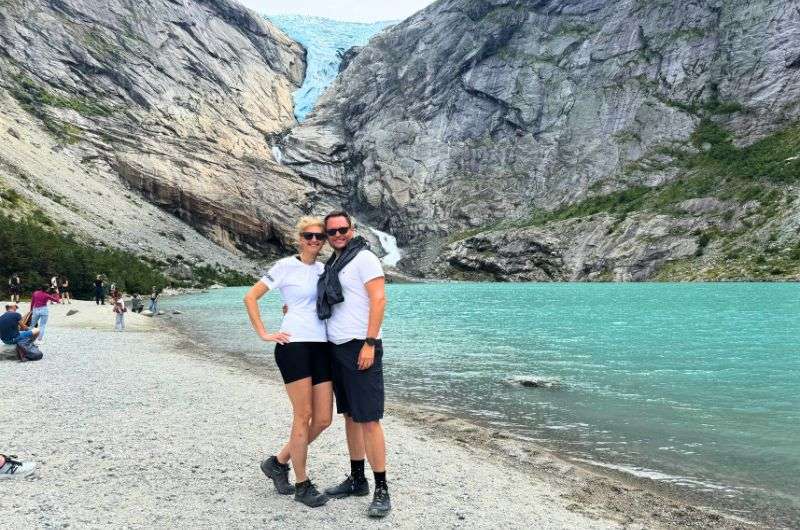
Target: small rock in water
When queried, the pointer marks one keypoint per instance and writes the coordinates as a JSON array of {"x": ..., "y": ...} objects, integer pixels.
[
  {"x": 147, "y": 313},
  {"x": 161, "y": 312},
  {"x": 176, "y": 312},
  {"x": 71, "y": 312},
  {"x": 533, "y": 382}
]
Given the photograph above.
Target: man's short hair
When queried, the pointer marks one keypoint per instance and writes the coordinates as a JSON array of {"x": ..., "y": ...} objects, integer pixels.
[
  {"x": 340, "y": 213},
  {"x": 9, "y": 307}
]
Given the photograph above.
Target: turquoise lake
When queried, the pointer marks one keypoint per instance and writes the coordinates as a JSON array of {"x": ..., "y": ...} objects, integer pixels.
[{"x": 693, "y": 386}]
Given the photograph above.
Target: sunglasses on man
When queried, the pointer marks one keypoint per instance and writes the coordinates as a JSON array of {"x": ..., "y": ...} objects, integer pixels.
[{"x": 341, "y": 231}]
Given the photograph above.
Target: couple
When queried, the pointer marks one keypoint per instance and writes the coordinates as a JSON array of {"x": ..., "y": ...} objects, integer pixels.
[{"x": 329, "y": 343}]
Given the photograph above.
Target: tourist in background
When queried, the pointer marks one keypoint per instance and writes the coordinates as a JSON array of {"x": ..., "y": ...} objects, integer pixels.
[
  {"x": 54, "y": 285},
  {"x": 98, "y": 291},
  {"x": 39, "y": 310},
  {"x": 154, "y": 294},
  {"x": 13, "y": 329},
  {"x": 14, "y": 287},
  {"x": 136, "y": 303},
  {"x": 65, "y": 289},
  {"x": 119, "y": 310}
]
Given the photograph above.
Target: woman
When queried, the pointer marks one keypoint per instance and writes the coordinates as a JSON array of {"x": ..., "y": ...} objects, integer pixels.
[
  {"x": 302, "y": 355},
  {"x": 39, "y": 310},
  {"x": 65, "y": 289},
  {"x": 154, "y": 300},
  {"x": 119, "y": 310}
]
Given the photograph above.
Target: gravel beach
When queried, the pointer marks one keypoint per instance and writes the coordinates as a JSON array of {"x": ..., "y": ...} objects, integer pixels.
[{"x": 135, "y": 429}]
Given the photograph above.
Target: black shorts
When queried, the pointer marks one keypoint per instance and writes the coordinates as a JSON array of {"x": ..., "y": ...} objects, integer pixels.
[
  {"x": 298, "y": 360},
  {"x": 13, "y": 290},
  {"x": 359, "y": 393}
]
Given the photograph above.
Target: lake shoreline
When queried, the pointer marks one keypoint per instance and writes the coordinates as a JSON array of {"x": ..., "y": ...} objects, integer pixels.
[
  {"x": 590, "y": 489},
  {"x": 143, "y": 429}
]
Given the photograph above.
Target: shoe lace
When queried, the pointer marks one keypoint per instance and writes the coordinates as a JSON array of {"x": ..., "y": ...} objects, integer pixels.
[
  {"x": 381, "y": 493},
  {"x": 312, "y": 489}
]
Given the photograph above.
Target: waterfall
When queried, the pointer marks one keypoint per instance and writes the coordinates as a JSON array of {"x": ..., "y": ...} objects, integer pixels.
[
  {"x": 276, "y": 154},
  {"x": 389, "y": 244}
]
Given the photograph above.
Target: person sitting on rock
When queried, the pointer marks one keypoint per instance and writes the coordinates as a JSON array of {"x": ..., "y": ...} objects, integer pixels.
[{"x": 12, "y": 330}]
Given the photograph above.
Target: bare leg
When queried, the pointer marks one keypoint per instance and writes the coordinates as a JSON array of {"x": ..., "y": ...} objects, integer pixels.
[
  {"x": 355, "y": 438},
  {"x": 375, "y": 445},
  {"x": 300, "y": 395},
  {"x": 322, "y": 412}
]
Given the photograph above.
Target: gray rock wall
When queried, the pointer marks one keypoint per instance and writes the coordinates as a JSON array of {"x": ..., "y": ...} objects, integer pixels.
[
  {"x": 171, "y": 103},
  {"x": 474, "y": 112}
]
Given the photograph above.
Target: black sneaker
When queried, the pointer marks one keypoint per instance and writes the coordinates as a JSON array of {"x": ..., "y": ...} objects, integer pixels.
[
  {"x": 358, "y": 487},
  {"x": 380, "y": 505},
  {"x": 279, "y": 473},
  {"x": 308, "y": 494}
]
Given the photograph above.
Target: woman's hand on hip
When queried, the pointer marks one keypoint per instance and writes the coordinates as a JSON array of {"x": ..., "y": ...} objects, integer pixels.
[{"x": 280, "y": 337}]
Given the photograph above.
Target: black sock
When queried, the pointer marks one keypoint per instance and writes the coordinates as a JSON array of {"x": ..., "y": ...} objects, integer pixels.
[
  {"x": 380, "y": 479},
  {"x": 305, "y": 482},
  {"x": 284, "y": 464},
  {"x": 357, "y": 468}
]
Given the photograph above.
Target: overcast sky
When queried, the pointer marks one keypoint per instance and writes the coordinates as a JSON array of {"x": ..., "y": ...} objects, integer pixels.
[{"x": 348, "y": 10}]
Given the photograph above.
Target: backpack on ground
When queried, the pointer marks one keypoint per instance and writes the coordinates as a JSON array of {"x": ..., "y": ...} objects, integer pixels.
[{"x": 28, "y": 351}]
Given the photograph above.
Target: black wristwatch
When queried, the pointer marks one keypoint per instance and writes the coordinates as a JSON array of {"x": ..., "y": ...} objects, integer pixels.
[{"x": 370, "y": 341}]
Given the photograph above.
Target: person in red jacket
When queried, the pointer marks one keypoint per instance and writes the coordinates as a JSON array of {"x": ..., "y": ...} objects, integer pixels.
[{"x": 39, "y": 310}]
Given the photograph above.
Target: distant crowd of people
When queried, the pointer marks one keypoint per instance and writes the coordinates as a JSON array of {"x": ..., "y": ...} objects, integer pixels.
[
  {"x": 59, "y": 285},
  {"x": 29, "y": 329}
]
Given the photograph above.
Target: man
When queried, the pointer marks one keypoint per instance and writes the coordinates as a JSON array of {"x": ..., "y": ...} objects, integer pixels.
[
  {"x": 351, "y": 297},
  {"x": 99, "y": 295},
  {"x": 12, "y": 331}
]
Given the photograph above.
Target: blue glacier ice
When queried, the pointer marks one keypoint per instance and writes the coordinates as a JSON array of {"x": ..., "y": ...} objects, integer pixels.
[{"x": 324, "y": 39}]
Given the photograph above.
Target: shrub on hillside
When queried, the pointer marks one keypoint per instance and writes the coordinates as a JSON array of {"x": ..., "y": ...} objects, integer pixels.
[{"x": 37, "y": 254}]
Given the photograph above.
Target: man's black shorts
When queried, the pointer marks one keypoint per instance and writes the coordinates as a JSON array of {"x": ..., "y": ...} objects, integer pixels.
[
  {"x": 359, "y": 393},
  {"x": 298, "y": 360}
]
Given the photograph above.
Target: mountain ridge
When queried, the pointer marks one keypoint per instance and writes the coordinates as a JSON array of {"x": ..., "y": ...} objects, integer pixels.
[
  {"x": 471, "y": 114},
  {"x": 497, "y": 139}
]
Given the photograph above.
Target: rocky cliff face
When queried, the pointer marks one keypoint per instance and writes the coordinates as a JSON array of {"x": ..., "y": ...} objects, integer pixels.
[
  {"x": 140, "y": 124},
  {"x": 496, "y": 138}
]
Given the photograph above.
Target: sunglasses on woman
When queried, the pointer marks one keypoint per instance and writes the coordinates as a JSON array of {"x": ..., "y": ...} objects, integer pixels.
[
  {"x": 341, "y": 231},
  {"x": 308, "y": 236}
]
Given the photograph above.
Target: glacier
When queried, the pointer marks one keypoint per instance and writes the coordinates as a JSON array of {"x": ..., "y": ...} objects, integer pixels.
[{"x": 325, "y": 40}]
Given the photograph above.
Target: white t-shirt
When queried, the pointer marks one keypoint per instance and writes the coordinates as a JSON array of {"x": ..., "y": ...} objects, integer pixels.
[
  {"x": 350, "y": 318},
  {"x": 297, "y": 283}
]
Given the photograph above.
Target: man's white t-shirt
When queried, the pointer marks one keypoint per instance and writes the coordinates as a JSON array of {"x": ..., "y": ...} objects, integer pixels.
[
  {"x": 297, "y": 283},
  {"x": 350, "y": 318}
]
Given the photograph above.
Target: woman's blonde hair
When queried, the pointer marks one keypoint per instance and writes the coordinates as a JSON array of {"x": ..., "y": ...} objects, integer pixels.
[{"x": 308, "y": 220}]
